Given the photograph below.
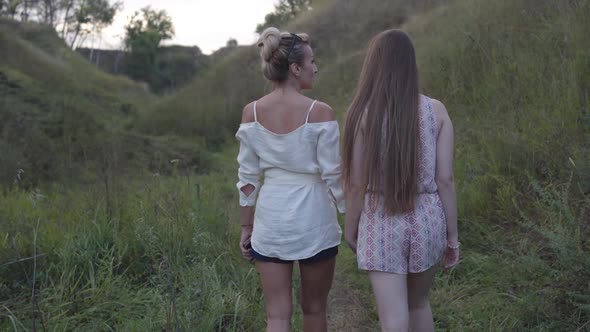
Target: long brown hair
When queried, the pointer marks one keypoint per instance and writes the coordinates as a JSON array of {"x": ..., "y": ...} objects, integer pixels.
[{"x": 386, "y": 105}]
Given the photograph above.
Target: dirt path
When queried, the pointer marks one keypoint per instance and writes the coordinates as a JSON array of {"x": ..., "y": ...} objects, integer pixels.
[{"x": 347, "y": 307}]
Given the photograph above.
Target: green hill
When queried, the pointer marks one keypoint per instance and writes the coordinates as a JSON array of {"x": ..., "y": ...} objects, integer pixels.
[
  {"x": 211, "y": 106},
  {"x": 60, "y": 117},
  {"x": 515, "y": 77},
  {"x": 148, "y": 252},
  {"x": 175, "y": 65}
]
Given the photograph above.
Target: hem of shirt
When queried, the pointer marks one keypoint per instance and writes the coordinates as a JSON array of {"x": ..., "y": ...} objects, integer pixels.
[{"x": 285, "y": 258}]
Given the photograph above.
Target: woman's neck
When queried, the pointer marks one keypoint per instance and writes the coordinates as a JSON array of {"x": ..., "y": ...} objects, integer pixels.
[{"x": 287, "y": 87}]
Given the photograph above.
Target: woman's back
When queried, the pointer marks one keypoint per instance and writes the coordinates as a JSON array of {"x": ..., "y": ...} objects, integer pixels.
[
  {"x": 282, "y": 114},
  {"x": 285, "y": 133},
  {"x": 291, "y": 142},
  {"x": 298, "y": 157}
]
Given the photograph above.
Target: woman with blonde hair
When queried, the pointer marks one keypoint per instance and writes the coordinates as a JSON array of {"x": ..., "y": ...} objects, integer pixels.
[
  {"x": 401, "y": 215},
  {"x": 293, "y": 141}
]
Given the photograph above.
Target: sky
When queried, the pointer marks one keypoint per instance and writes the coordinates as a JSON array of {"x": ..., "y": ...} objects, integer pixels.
[{"x": 208, "y": 24}]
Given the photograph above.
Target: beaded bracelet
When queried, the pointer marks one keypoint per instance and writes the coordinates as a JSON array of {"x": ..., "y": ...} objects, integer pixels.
[{"x": 454, "y": 247}]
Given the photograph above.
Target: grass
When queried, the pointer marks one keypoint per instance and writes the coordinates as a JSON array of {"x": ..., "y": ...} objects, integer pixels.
[
  {"x": 100, "y": 272},
  {"x": 122, "y": 248},
  {"x": 173, "y": 235}
]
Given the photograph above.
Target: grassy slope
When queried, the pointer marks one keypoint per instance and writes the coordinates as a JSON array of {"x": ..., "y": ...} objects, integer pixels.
[
  {"x": 211, "y": 106},
  {"x": 54, "y": 106},
  {"x": 514, "y": 76},
  {"x": 61, "y": 118}
]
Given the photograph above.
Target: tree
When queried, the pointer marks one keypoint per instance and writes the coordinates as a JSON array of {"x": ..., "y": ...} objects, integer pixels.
[
  {"x": 11, "y": 7},
  {"x": 48, "y": 11},
  {"x": 89, "y": 16},
  {"x": 148, "y": 25},
  {"x": 27, "y": 8},
  {"x": 20, "y": 9},
  {"x": 232, "y": 42},
  {"x": 285, "y": 11},
  {"x": 143, "y": 35},
  {"x": 74, "y": 19}
]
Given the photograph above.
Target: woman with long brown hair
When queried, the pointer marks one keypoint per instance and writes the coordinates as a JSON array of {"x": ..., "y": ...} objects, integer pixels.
[{"x": 401, "y": 215}]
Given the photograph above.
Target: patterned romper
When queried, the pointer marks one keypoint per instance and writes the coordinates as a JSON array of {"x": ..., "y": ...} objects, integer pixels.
[{"x": 411, "y": 242}]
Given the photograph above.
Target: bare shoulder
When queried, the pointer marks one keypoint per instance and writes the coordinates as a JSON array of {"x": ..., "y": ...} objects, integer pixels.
[
  {"x": 440, "y": 110},
  {"x": 248, "y": 113},
  {"x": 321, "y": 112}
]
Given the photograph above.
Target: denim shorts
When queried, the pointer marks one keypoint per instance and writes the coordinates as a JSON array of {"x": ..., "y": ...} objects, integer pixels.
[{"x": 323, "y": 255}]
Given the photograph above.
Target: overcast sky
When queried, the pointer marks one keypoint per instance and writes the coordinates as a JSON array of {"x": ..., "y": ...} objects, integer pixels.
[{"x": 208, "y": 24}]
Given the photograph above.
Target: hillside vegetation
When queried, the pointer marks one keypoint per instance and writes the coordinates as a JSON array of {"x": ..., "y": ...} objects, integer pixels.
[
  {"x": 62, "y": 118},
  {"x": 174, "y": 66},
  {"x": 515, "y": 77},
  {"x": 152, "y": 251}
]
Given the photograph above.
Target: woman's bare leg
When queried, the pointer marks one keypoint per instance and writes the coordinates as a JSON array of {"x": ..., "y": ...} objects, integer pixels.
[{"x": 276, "y": 286}]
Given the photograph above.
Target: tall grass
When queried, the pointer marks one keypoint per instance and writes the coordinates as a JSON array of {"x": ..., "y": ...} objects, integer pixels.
[
  {"x": 173, "y": 238},
  {"x": 121, "y": 252}
]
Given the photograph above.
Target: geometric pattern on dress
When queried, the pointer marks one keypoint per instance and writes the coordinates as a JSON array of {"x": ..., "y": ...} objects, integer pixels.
[{"x": 412, "y": 242}]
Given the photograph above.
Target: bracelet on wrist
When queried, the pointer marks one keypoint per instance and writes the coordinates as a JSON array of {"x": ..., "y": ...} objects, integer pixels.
[
  {"x": 455, "y": 246},
  {"x": 248, "y": 225}
]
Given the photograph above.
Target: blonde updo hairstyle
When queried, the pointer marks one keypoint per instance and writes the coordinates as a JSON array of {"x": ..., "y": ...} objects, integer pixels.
[{"x": 274, "y": 50}]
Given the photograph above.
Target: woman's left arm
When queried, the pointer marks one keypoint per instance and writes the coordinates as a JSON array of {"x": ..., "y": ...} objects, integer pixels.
[{"x": 328, "y": 153}]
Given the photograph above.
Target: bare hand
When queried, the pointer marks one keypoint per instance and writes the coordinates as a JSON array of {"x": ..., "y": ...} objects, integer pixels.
[
  {"x": 245, "y": 243},
  {"x": 351, "y": 240},
  {"x": 450, "y": 258}
]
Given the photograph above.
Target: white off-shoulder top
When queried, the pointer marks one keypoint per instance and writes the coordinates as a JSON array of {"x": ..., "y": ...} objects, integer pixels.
[{"x": 295, "y": 215}]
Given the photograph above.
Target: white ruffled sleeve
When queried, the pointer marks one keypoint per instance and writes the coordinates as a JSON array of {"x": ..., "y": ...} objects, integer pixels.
[
  {"x": 249, "y": 170},
  {"x": 329, "y": 160}
]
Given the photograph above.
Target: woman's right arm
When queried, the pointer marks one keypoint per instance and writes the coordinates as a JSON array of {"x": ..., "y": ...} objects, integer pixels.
[
  {"x": 355, "y": 193},
  {"x": 444, "y": 178},
  {"x": 249, "y": 181}
]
